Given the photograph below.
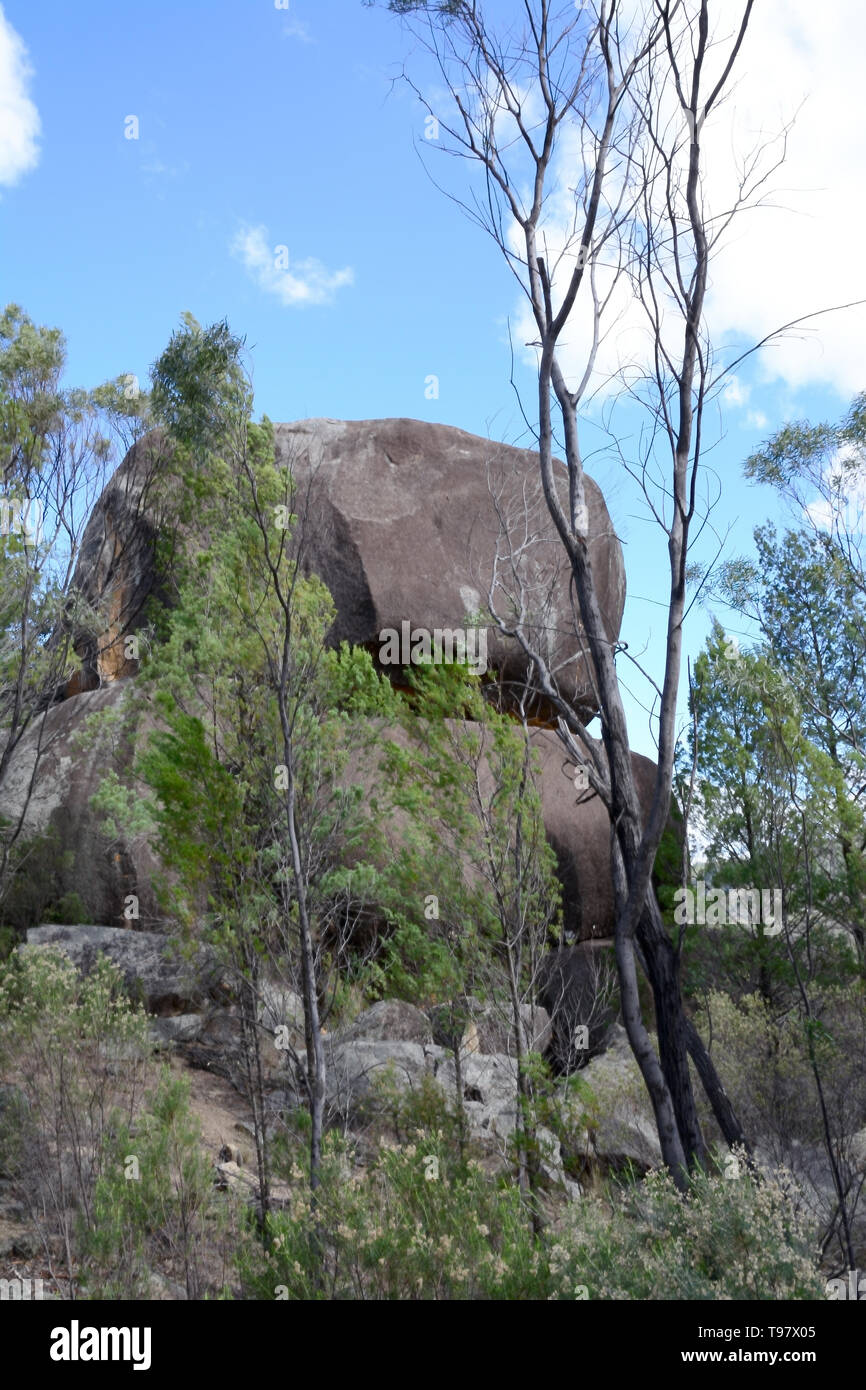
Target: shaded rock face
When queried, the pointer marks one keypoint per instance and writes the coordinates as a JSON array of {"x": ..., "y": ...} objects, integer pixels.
[
  {"x": 389, "y": 1019},
  {"x": 578, "y": 989},
  {"x": 68, "y": 774},
  {"x": 104, "y": 874},
  {"x": 576, "y": 823},
  {"x": 578, "y": 828},
  {"x": 116, "y": 570},
  {"x": 623, "y": 1135},
  {"x": 168, "y": 985},
  {"x": 402, "y": 520}
]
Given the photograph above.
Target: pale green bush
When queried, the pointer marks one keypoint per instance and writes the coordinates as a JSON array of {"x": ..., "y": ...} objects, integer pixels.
[
  {"x": 76, "y": 1053},
  {"x": 729, "y": 1238}
]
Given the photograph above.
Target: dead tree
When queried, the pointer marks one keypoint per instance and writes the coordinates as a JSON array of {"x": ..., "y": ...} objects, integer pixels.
[{"x": 609, "y": 109}]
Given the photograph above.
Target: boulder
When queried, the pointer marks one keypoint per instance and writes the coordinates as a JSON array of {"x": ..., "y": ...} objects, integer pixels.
[
  {"x": 243, "y": 1182},
  {"x": 402, "y": 528},
  {"x": 167, "y": 984},
  {"x": 280, "y": 1007},
  {"x": 116, "y": 571},
  {"x": 388, "y": 1020},
  {"x": 405, "y": 529},
  {"x": 480, "y": 1027},
  {"x": 489, "y": 1082},
  {"x": 491, "y": 1110},
  {"x": 402, "y": 521},
  {"x": 578, "y": 829},
  {"x": 180, "y": 1028},
  {"x": 620, "y": 1132},
  {"x": 354, "y": 1067},
  {"x": 489, "y": 1090}
]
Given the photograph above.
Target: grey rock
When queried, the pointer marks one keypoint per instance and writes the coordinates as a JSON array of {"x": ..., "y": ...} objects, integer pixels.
[
  {"x": 180, "y": 1028},
  {"x": 167, "y": 983},
  {"x": 489, "y": 1084},
  {"x": 353, "y": 1067},
  {"x": 391, "y": 1020},
  {"x": 480, "y": 1027},
  {"x": 279, "y": 1007},
  {"x": 625, "y": 1133}
]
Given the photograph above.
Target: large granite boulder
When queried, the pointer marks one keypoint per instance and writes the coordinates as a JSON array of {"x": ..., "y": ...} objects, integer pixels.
[
  {"x": 389, "y": 1019},
  {"x": 403, "y": 527},
  {"x": 407, "y": 518},
  {"x": 472, "y": 1026},
  {"x": 619, "y": 1132},
  {"x": 354, "y": 1070},
  {"x": 402, "y": 521}
]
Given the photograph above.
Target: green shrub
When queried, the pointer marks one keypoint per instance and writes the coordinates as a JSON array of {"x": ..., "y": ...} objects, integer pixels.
[
  {"x": 728, "y": 1238},
  {"x": 153, "y": 1202},
  {"x": 77, "y": 1053},
  {"x": 415, "y": 1224},
  {"x": 69, "y": 910}
]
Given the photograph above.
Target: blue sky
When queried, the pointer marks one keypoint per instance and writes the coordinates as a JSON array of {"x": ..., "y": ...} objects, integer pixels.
[{"x": 261, "y": 127}]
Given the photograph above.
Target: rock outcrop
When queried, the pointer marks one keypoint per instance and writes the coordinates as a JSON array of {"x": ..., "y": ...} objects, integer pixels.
[
  {"x": 402, "y": 521},
  {"x": 406, "y": 519},
  {"x": 105, "y": 873},
  {"x": 69, "y": 769},
  {"x": 117, "y": 568}
]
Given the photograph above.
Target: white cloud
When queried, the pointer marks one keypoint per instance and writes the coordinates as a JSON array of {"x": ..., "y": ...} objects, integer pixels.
[
  {"x": 19, "y": 119},
  {"x": 805, "y": 253},
  {"x": 298, "y": 29},
  {"x": 298, "y": 282},
  {"x": 736, "y": 392},
  {"x": 801, "y": 252}
]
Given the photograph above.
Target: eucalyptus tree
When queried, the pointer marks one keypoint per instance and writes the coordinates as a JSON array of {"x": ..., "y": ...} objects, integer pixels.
[{"x": 57, "y": 447}]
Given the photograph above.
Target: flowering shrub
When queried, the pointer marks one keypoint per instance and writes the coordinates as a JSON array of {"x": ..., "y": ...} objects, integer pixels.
[
  {"x": 728, "y": 1238},
  {"x": 76, "y": 1054},
  {"x": 415, "y": 1223}
]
